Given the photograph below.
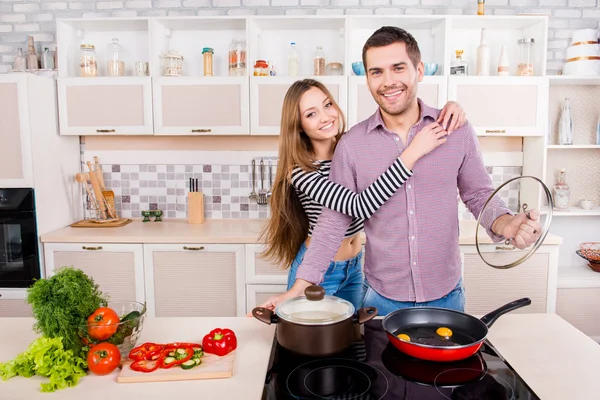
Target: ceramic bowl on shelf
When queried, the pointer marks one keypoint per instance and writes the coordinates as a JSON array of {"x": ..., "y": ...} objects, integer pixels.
[
  {"x": 430, "y": 68},
  {"x": 587, "y": 204},
  {"x": 358, "y": 68}
]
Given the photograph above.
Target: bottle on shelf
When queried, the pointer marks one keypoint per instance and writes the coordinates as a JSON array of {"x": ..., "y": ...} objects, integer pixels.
[
  {"x": 458, "y": 66},
  {"x": 20, "y": 63},
  {"x": 561, "y": 191},
  {"x": 32, "y": 59},
  {"x": 237, "y": 57},
  {"x": 293, "y": 60},
  {"x": 480, "y": 7},
  {"x": 483, "y": 56},
  {"x": 319, "y": 62},
  {"x": 115, "y": 65},
  {"x": 503, "y": 64},
  {"x": 47, "y": 59},
  {"x": 565, "y": 127}
]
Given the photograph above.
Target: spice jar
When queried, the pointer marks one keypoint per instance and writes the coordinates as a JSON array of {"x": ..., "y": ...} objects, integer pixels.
[
  {"x": 525, "y": 66},
  {"x": 261, "y": 68},
  {"x": 87, "y": 60},
  {"x": 335, "y": 68},
  {"x": 114, "y": 59},
  {"x": 207, "y": 56},
  {"x": 319, "y": 62}
]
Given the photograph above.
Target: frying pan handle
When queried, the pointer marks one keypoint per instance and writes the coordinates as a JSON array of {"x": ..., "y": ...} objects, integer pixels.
[
  {"x": 490, "y": 318},
  {"x": 265, "y": 315},
  {"x": 365, "y": 314}
]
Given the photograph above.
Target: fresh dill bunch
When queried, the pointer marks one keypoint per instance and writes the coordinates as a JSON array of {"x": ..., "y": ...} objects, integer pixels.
[{"x": 62, "y": 303}]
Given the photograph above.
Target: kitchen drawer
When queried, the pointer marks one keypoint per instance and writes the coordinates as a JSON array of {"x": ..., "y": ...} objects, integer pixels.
[
  {"x": 118, "y": 269},
  {"x": 487, "y": 288},
  {"x": 432, "y": 90},
  {"x": 105, "y": 106},
  {"x": 502, "y": 106},
  {"x": 267, "y": 94},
  {"x": 13, "y": 303},
  {"x": 201, "y": 106},
  {"x": 195, "y": 280},
  {"x": 258, "y": 294},
  {"x": 581, "y": 308},
  {"x": 260, "y": 270}
]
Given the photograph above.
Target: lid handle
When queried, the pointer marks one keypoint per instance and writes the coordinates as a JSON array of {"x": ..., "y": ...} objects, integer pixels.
[{"x": 314, "y": 293}]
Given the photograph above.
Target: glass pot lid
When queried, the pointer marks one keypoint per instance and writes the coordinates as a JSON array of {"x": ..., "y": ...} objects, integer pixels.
[{"x": 315, "y": 308}]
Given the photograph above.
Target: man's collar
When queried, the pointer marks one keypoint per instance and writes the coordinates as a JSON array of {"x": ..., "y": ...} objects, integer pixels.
[{"x": 376, "y": 120}]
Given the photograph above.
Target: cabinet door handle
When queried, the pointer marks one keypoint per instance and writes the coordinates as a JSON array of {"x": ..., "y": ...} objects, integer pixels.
[
  {"x": 91, "y": 248},
  {"x": 495, "y": 131},
  {"x": 193, "y": 248},
  {"x": 201, "y": 130},
  {"x": 505, "y": 247},
  {"x": 105, "y": 130}
]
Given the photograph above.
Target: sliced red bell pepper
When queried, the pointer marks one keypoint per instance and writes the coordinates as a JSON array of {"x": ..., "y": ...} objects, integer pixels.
[
  {"x": 165, "y": 356},
  {"x": 219, "y": 342},
  {"x": 147, "y": 351},
  {"x": 145, "y": 365},
  {"x": 180, "y": 345}
]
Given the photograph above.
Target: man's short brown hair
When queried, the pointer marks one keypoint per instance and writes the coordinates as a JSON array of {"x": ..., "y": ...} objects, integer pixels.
[{"x": 387, "y": 35}]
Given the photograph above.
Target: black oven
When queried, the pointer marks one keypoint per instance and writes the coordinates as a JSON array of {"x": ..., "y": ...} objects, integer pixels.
[{"x": 19, "y": 255}]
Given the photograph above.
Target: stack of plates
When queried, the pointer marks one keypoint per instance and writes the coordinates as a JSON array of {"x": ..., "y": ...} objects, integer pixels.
[{"x": 583, "y": 56}]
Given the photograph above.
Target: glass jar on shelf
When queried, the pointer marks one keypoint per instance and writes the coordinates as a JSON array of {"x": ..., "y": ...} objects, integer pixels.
[
  {"x": 115, "y": 64},
  {"x": 261, "y": 68},
  {"x": 335, "y": 68},
  {"x": 561, "y": 191},
  {"x": 237, "y": 57},
  {"x": 88, "y": 67},
  {"x": 525, "y": 66},
  {"x": 319, "y": 62},
  {"x": 172, "y": 63},
  {"x": 207, "y": 58},
  {"x": 20, "y": 63}
]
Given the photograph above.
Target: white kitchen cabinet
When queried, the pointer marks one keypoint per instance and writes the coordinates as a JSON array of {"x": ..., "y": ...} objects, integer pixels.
[
  {"x": 260, "y": 270},
  {"x": 16, "y": 165},
  {"x": 258, "y": 294},
  {"x": 105, "y": 106},
  {"x": 580, "y": 307},
  {"x": 502, "y": 105},
  {"x": 487, "y": 288},
  {"x": 195, "y": 280},
  {"x": 432, "y": 90},
  {"x": 267, "y": 94},
  {"x": 201, "y": 106},
  {"x": 13, "y": 303},
  {"x": 118, "y": 269}
]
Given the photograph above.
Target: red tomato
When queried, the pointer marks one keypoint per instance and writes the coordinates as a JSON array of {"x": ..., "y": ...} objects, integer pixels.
[
  {"x": 103, "y": 323},
  {"x": 103, "y": 358}
]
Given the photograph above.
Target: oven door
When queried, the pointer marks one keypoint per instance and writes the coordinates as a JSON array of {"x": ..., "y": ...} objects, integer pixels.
[{"x": 19, "y": 258}]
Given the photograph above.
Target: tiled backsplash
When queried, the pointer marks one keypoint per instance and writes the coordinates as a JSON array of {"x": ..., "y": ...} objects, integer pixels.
[{"x": 226, "y": 189}]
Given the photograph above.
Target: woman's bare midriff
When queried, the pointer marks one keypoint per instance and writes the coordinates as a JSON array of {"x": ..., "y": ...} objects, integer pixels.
[{"x": 349, "y": 248}]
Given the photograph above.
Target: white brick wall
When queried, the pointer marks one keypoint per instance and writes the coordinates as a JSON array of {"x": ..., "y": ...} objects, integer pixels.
[{"x": 20, "y": 18}]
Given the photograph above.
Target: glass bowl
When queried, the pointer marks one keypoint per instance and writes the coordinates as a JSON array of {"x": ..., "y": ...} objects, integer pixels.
[{"x": 132, "y": 315}]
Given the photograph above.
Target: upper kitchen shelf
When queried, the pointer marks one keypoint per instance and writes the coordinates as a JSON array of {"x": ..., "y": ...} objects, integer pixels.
[{"x": 268, "y": 38}]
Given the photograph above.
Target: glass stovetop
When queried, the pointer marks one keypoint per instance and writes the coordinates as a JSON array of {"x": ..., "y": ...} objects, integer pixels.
[{"x": 372, "y": 369}]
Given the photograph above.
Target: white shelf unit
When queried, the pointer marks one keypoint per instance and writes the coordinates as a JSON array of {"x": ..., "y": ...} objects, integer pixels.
[
  {"x": 270, "y": 38},
  {"x": 575, "y": 212},
  {"x": 573, "y": 147},
  {"x": 465, "y": 34},
  {"x": 133, "y": 35},
  {"x": 189, "y": 35}
]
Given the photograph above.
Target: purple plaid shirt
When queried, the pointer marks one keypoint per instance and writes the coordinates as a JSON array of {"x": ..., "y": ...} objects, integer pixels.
[{"x": 412, "y": 251}]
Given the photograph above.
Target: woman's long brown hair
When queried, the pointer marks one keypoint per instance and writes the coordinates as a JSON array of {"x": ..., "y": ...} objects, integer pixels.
[{"x": 287, "y": 228}]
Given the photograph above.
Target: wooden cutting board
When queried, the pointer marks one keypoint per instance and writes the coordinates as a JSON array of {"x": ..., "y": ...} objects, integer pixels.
[
  {"x": 86, "y": 223},
  {"x": 212, "y": 367}
]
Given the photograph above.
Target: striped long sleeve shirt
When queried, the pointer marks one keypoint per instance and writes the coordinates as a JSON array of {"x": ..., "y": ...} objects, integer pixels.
[{"x": 316, "y": 191}]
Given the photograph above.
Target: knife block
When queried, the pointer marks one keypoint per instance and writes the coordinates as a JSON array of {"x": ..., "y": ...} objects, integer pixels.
[{"x": 195, "y": 207}]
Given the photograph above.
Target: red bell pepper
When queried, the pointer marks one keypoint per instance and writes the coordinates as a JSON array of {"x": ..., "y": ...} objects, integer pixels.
[
  {"x": 147, "y": 351},
  {"x": 171, "y": 346},
  {"x": 145, "y": 365},
  {"x": 219, "y": 342}
]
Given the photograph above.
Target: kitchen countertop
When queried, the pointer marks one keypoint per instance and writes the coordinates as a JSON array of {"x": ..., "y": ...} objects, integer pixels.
[
  {"x": 179, "y": 231},
  {"x": 255, "y": 340},
  {"x": 554, "y": 358}
]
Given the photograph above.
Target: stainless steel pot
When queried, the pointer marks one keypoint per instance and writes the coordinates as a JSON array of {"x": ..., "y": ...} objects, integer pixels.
[{"x": 315, "y": 324}]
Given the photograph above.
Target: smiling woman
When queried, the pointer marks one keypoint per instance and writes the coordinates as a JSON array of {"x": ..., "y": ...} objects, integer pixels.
[{"x": 311, "y": 126}]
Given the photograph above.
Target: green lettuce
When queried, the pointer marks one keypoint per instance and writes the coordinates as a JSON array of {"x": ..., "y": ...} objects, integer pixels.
[{"x": 47, "y": 357}]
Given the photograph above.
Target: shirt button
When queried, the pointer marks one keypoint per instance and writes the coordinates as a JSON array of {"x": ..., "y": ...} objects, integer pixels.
[
  {"x": 414, "y": 263},
  {"x": 412, "y": 237},
  {"x": 409, "y": 186},
  {"x": 411, "y": 212},
  {"x": 396, "y": 138}
]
